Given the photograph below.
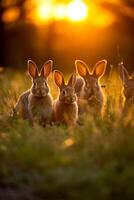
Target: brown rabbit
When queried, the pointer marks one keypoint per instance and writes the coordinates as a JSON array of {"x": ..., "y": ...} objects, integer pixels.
[
  {"x": 65, "y": 107},
  {"x": 90, "y": 97},
  {"x": 128, "y": 87},
  {"x": 36, "y": 103}
]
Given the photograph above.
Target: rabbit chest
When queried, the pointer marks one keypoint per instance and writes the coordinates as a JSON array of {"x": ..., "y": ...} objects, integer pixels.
[
  {"x": 40, "y": 107},
  {"x": 90, "y": 103},
  {"x": 65, "y": 112}
]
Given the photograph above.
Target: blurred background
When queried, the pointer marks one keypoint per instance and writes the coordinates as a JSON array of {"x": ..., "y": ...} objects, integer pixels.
[{"x": 65, "y": 30}]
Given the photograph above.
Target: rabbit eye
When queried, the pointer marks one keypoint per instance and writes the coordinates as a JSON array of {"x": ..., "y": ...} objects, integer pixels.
[
  {"x": 63, "y": 92},
  {"x": 45, "y": 83},
  {"x": 35, "y": 84}
]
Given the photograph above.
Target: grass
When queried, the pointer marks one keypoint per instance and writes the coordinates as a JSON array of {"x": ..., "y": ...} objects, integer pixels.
[{"x": 94, "y": 160}]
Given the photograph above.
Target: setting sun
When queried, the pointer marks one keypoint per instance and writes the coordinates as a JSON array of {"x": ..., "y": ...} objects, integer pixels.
[
  {"x": 77, "y": 10},
  {"x": 60, "y": 12},
  {"x": 44, "y": 12},
  {"x": 74, "y": 11}
]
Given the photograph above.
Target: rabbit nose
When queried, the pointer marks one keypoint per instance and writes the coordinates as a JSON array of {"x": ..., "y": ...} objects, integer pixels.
[
  {"x": 39, "y": 92},
  {"x": 68, "y": 98},
  {"x": 71, "y": 99}
]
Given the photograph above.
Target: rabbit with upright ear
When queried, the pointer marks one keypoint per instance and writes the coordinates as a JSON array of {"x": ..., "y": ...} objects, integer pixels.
[
  {"x": 65, "y": 107},
  {"x": 40, "y": 103},
  {"x": 91, "y": 98},
  {"x": 36, "y": 103},
  {"x": 128, "y": 86}
]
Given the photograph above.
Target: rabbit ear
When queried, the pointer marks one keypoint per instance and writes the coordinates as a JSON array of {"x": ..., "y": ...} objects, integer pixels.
[
  {"x": 59, "y": 79},
  {"x": 99, "y": 68},
  {"x": 123, "y": 73},
  {"x": 32, "y": 68},
  {"x": 46, "y": 69},
  {"x": 72, "y": 80},
  {"x": 82, "y": 68}
]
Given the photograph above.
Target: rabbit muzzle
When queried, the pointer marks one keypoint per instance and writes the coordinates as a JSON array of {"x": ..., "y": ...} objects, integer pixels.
[
  {"x": 40, "y": 92},
  {"x": 71, "y": 99},
  {"x": 68, "y": 99},
  {"x": 89, "y": 92}
]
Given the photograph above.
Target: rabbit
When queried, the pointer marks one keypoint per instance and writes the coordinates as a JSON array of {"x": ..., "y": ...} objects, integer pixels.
[
  {"x": 37, "y": 103},
  {"x": 128, "y": 87},
  {"x": 90, "y": 96},
  {"x": 65, "y": 106}
]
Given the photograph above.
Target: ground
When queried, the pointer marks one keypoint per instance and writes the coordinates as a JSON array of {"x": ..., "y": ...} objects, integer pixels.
[{"x": 94, "y": 160}]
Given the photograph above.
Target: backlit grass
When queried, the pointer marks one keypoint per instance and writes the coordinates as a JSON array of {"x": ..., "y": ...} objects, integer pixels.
[{"x": 94, "y": 160}]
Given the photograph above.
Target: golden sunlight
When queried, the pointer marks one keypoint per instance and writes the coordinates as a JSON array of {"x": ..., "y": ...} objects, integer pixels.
[
  {"x": 68, "y": 142},
  {"x": 60, "y": 12},
  {"x": 44, "y": 12},
  {"x": 11, "y": 15},
  {"x": 77, "y": 10},
  {"x": 99, "y": 17},
  {"x": 74, "y": 11}
]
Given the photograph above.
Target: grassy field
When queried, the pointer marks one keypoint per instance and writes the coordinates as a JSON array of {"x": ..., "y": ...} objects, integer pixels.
[{"x": 93, "y": 161}]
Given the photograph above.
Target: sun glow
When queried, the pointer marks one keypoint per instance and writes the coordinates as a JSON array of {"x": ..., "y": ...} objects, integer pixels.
[
  {"x": 60, "y": 12},
  {"x": 99, "y": 17},
  {"x": 10, "y": 15},
  {"x": 74, "y": 11},
  {"x": 77, "y": 10},
  {"x": 44, "y": 12}
]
